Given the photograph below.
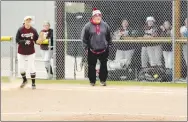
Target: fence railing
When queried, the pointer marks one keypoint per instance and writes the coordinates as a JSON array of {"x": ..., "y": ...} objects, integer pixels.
[
  {"x": 7, "y": 63},
  {"x": 76, "y": 61}
]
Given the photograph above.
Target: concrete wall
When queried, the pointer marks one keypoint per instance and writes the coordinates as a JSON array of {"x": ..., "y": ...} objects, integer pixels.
[{"x": 13, "y": 12}]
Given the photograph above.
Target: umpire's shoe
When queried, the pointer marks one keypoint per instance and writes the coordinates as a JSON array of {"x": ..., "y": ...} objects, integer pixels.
[
  {"x": 33, "y": 86},
  {"x": 92, "y": 84},
  {"x": 23, "y": 84},
  {"x": 103, "y": 83}
]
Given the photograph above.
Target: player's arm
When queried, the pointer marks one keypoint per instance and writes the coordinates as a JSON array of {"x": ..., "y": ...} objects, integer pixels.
[
  {"x": 19, "y": 40},
  {"x": 108, "y": 35},
  {"x": 40, "y": 38},
  {"x": 85, "y": 36},
  {"x": 36, "y": 36},
  {"x": 51, "y": 37}
]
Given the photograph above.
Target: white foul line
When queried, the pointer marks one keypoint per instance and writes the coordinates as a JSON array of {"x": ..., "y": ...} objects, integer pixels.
[{"x": 91, "y": 113}]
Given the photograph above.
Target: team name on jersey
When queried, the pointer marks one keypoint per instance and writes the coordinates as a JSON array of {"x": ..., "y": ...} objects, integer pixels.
[{"x": 27, "y": 35}]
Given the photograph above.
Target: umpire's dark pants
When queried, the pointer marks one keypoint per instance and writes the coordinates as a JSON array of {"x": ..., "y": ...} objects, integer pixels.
[{"x": 92, "y": 61}]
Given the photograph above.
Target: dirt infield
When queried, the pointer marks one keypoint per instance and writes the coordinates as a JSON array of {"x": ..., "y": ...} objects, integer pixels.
[{"x": 82, "y": 102}]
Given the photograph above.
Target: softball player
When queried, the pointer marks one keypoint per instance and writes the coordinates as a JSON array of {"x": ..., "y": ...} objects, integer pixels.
[
  {"x": 46, "y": 51},
  {"x": 151, "y": 52},
  {"x": 26, "y": 36},
  {"x": 184, "y": 33}
]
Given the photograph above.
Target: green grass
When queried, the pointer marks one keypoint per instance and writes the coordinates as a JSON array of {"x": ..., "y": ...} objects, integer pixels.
[{"x": 112, "y": 83}]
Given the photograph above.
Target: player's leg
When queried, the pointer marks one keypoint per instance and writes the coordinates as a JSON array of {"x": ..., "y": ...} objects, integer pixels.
[
  {"x": 158, "y": 54},
  {"x": 92, "y": 61},
  {"x": 185, "y": 52},
  {"x": 21, "y": 65},
  {"x": 128, "y": 55},
  {"x": 165, "y": 55},
  {"x": 31, "y": 66},
  {"x": 151, "y": 55},
  {"x": 47, "y": 58},
  {"x": 43, "y": 54},
  {"x": 170, "y": 60},
  {"x": 50, "y": 57},
  {"x": 103, "y": 73},
  {"x": 144, "y": 57}
]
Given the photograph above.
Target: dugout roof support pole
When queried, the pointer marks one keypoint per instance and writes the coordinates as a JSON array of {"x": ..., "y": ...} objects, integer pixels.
[
  {"x": 177, "y": 58},
  {"x": 60, "y": 34}
]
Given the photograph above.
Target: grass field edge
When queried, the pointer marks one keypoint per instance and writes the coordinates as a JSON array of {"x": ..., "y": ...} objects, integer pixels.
[{"x": 114, "y": 83}]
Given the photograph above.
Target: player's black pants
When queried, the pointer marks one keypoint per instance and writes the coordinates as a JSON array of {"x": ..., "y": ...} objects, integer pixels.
[{"x": 92, "y": 61}]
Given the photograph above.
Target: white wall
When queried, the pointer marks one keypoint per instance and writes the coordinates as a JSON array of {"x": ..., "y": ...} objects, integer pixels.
[{"x": 13, "y": 12}]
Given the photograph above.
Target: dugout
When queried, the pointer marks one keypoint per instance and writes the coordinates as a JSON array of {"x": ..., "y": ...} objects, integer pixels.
[{"x": 113, "y": 14}]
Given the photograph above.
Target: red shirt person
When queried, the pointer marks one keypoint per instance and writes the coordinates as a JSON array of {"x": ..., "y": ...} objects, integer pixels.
[{"x": 26, "y": 37}]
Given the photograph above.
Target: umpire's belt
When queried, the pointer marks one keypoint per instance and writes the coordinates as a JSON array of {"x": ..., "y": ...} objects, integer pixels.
[{"x": 97, "y": 51}]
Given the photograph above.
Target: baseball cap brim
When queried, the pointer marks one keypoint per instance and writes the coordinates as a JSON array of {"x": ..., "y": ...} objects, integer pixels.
[
  {"x": 28, "y": 17},
  {"x": 46, "y": 23}
]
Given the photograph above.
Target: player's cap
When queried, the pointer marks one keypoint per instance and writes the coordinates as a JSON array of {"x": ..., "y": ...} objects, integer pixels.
[
  {"x": 28, "y": 17},
  {"x": 150, "y": 18},
  {"x": 46, "y": 23},
  {"x": 96, "y": 12}
]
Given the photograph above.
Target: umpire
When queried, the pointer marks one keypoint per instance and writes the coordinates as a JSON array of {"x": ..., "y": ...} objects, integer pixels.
[{"x": 96, "y": 38}]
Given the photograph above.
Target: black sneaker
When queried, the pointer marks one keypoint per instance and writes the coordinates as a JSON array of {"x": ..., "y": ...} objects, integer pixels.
[
  {"x": 103, "y": 83},
  {"x": 23, "y": 84},
  {"x": 33, "y": 86},
  {"x": 92, "y": 84}
]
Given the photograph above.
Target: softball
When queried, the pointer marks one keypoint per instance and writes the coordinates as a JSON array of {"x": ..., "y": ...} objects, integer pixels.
[
  {"x": 45, "y": 41},
  {"x": 156, "y": 76}
]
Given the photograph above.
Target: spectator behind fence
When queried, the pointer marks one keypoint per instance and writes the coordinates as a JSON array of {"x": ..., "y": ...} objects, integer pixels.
[
  {"x": 125, "y": 51},
  {"x": 184, "y": 33},
  {"x": 151, "y": 52},
  {"x": 165, "y": 31},
  {"x": 123, "y": 31}
]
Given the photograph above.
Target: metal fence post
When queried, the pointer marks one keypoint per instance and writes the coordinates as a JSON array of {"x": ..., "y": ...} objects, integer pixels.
[
  {"x": 54, "y": 59},
  {"x": 16, "y": 60},
  {"x": 173, "y": 39},
  {"x": 11, "y": 59},
  {"x": 49, "y": 54},
  {"x": 187, "y": 46},
  {"x": 54, "y": 45}
]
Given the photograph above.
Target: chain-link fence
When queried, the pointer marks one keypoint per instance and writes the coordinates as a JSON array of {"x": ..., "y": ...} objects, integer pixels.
[
  {"x": 7, "y": 57},
  {"x": 141, "y": 51},
  {"x": 149, "y": 39}
]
